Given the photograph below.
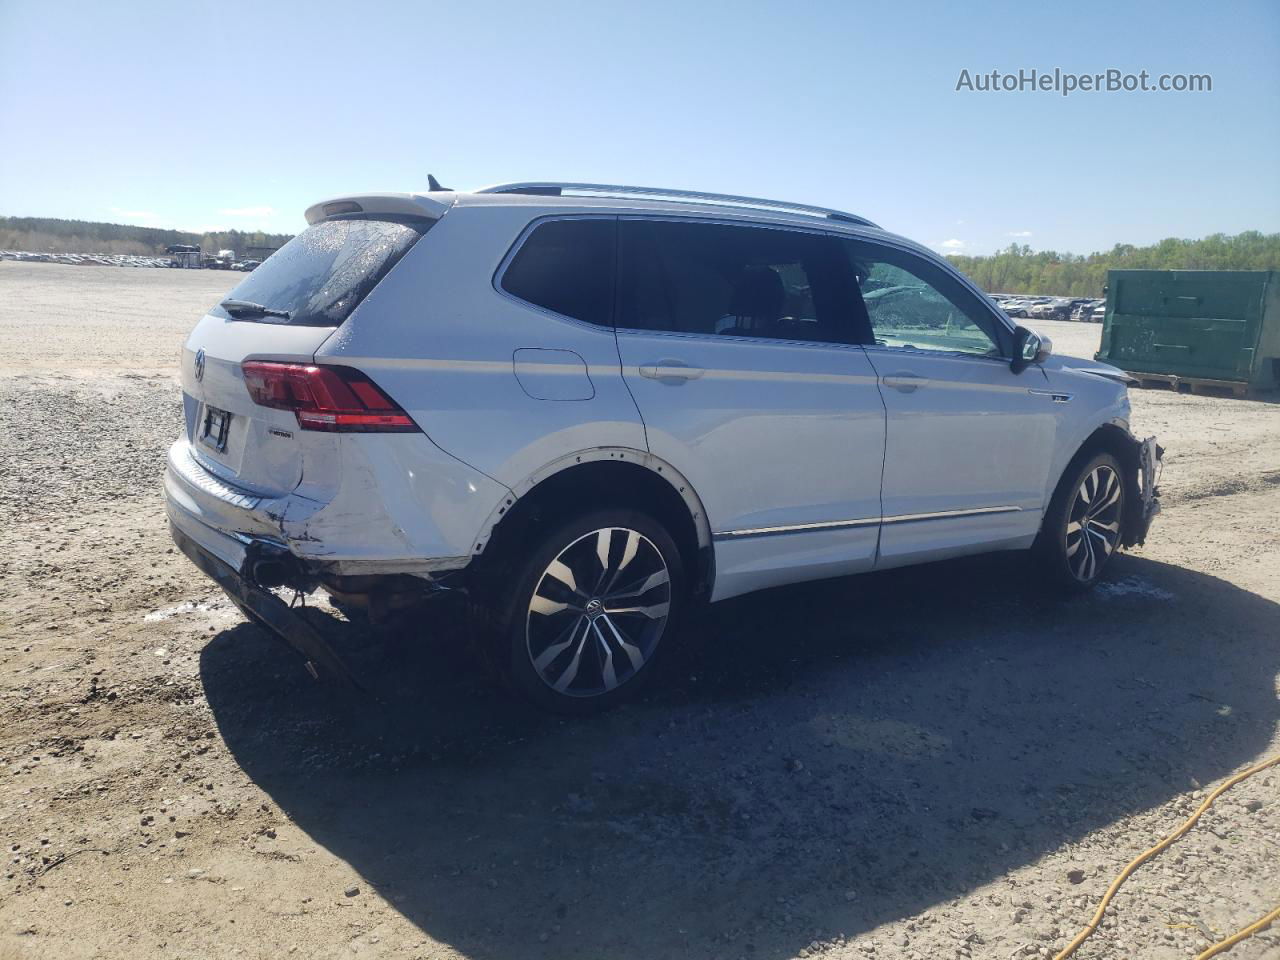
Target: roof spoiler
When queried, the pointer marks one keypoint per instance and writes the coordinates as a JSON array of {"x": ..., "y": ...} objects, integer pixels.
[{"x": 398, "y": 204}]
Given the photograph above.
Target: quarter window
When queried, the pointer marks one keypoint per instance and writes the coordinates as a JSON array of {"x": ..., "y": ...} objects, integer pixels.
[
  {"x": 736, "y": 281},
  {"x": 915, "y": 304},
  {"x": 567, "y": 266}
]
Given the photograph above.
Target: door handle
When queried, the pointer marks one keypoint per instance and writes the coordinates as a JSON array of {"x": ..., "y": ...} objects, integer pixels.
[
  {"x": 905, "y": 382},
  {"x": 670, "y": 370}
]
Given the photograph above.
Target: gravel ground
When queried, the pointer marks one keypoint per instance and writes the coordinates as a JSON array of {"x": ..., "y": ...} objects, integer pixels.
[{"x": 831, "y": 770}]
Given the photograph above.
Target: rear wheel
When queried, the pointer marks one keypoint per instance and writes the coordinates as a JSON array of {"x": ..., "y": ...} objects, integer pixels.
[
  {"x": 1082, "y": 528},
  {"x": 586, "y": 612}
]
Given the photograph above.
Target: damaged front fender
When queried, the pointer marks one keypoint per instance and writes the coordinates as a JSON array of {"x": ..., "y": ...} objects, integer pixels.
[{"x": 1147, "y": 463}]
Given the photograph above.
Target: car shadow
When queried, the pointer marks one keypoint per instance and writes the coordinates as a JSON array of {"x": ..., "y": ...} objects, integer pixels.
[{"x": 821, "y": 760}]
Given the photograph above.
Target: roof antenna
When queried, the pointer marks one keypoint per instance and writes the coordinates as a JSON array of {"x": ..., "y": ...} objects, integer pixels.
[{"x": 433, "y": 185}]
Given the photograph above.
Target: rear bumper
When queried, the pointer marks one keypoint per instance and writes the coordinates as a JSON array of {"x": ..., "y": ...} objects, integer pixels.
[
  {"x": 399, "y": 506},
  {"x": 261, "y": 605}
]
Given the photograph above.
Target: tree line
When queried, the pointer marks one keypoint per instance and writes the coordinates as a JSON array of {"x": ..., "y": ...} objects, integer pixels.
[
  {"x": 1019, "y": 269},
  {"x": 1015, "y": 269},
  {"x": 48, "y": 235}
]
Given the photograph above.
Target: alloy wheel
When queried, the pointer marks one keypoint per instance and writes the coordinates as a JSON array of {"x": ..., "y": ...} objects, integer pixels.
[
  {"x": 1093, "y": 522},
  {"x": 598, "y": 612}
]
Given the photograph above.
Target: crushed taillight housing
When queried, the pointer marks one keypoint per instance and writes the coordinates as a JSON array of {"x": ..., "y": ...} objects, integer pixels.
[{"x": 332, "y": 399}]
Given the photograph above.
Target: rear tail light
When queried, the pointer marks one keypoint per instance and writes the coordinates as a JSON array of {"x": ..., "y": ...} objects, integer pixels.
[{"x": 333, "y": 399}]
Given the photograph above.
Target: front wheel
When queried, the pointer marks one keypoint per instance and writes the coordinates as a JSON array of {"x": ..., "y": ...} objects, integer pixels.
[
  {"x": 588, "y": 610},
  {"x": 1082, "y": 527}
]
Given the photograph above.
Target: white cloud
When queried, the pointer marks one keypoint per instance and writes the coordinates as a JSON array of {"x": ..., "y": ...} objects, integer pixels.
[
  {"x": 1019, "y": 233},
  {"x": 135, "y": 214},
  {"x": 952, "y": 244},
  {"x": 248, "y": 212},
  {"x": 960, "y": 223}
]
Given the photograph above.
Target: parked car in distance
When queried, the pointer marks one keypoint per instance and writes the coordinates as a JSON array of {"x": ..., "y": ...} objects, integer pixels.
[
  {"x": 1082, "y": 308},
  {"x": 592, "y": 407},
  {"x": 1047, "y": 310},
  {"x": 1015, "y": 307}
]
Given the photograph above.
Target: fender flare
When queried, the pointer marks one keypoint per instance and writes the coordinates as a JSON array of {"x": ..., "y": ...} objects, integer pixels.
[
  {"x": 1069, "y": 451},
  {"x": 678, "y": 482}
]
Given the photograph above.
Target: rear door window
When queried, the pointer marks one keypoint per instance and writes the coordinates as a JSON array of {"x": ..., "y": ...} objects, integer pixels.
[
  {"x": 323, "y": 273},
  {"x": 735, "y": 281},
  {"x": 566, "y": 266}
]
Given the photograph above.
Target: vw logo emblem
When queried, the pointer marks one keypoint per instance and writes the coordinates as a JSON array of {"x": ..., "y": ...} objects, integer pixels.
[
  {"x": 200, "y": 364},
  {"x": 594, "y": 607}
]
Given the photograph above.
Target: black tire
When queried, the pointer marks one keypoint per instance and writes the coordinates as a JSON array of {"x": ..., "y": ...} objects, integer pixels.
[
  {"x": 582, "y": 647},
  {"x": 1082, "y": 527}
]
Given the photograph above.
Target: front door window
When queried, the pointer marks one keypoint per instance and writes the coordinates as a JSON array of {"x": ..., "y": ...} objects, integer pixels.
[{"x": 912, "y": 303}]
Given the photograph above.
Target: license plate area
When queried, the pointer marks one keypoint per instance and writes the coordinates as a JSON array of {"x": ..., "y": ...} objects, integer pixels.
[{"x": 214, "y": 428}]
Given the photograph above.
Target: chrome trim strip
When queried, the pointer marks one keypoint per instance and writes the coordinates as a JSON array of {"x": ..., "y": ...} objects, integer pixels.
[
  {"x": 949, "y": 514},
  {"x": 863, "y": 522},
  {"x": 796, "y": 528},
  {"x": 189, "y": 467}
]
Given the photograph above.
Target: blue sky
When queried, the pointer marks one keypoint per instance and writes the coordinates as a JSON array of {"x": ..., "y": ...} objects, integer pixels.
[{"x": 212, "y": 115}]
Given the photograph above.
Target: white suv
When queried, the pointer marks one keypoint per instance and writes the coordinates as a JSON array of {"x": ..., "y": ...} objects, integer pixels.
[{"x": 589, "y": 407}]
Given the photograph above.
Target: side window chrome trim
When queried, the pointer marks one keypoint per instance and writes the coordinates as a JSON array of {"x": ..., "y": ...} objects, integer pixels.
[
  {"x": 726, "y": 222},
  {"x": 953, "y": 354}
]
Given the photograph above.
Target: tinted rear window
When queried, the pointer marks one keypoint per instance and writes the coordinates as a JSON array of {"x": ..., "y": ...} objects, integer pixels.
[
  {"x": 567, "y": 266},
  {"x": 739, "y": 281},
  {"x": 323, "y": 273}
]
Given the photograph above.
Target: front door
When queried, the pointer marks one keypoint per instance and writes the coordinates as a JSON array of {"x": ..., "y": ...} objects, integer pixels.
[
  {"x": 968, "y": 442},
  {"x": 740, "y": 347}
]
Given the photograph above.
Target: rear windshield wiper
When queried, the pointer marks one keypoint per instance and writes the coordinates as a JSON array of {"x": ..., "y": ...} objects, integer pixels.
[{"x": 247, "y": 308}]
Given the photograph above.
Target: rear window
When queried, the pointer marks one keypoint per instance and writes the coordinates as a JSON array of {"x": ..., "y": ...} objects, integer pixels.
[
  {"x": 323, "y": 273},
  {"x": 567, "y": 266}
]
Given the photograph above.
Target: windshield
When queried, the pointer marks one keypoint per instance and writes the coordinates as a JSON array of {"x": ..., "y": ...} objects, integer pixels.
[{"x": 322, "y": 274}]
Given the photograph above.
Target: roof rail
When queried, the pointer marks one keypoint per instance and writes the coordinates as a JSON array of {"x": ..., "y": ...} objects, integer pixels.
[{"x": 551, "y": 188}]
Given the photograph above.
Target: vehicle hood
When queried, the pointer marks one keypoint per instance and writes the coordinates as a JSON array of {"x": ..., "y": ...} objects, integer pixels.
[{"x": 1078, "y": 365}]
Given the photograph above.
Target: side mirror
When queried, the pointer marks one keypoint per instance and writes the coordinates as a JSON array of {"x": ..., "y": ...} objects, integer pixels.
[{"x": 1028, "y": 348}]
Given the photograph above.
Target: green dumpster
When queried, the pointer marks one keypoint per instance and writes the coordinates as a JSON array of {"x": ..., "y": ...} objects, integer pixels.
[{"x": 1218, "y": 328}]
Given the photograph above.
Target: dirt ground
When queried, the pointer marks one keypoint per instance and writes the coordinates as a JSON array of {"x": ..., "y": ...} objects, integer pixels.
[{"x": 937, "y": 762}]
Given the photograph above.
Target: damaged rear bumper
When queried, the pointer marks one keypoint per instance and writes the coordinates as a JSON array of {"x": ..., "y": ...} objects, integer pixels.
[{"x": 264, "y": 607}]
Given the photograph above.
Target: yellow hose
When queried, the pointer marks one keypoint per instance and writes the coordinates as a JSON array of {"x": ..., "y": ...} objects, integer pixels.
[
  {"x": 1146, "y": 855},
  {"x": 1222, "y": 946}
]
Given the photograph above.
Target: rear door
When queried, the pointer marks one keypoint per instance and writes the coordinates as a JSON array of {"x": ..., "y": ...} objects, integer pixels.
[
  {"x": 308, "y": 288},
  {"x": 740, "y": 348},
  {"x": 968, "y": 442}
]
